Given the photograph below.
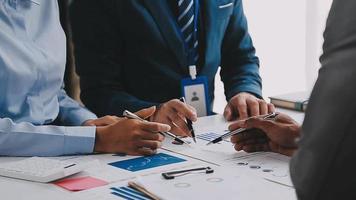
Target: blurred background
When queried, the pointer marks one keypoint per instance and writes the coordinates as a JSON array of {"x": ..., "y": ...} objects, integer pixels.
[{"x": 288, "y": 36}]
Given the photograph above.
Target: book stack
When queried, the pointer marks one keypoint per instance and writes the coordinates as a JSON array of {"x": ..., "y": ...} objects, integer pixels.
[{"x": 294, "y": 101}]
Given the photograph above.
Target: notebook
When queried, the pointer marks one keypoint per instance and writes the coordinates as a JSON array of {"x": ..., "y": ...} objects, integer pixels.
[{"x": 295, "y": 101}]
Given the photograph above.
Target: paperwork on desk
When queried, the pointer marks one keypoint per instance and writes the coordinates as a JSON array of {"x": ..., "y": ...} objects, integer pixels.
[
  {"x": 222, "y": 184},
  {"x": 260, "y": 175},
  {"x": 268, "y": 165},
  {"x": 106, "y": 167}
]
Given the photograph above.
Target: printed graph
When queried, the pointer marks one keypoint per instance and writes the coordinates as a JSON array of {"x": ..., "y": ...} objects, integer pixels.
[
  {"x": 128, "y": 193},
  {"x": 209, "y": 136},
  {"x": 147, "y": 162}
]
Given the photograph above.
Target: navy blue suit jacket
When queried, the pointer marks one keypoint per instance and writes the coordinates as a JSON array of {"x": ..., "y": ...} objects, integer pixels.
[{"x": 130, "y": 54}]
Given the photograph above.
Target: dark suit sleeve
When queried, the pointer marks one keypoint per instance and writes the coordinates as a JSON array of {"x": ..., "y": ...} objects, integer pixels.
[
  {"x": 239, "y": 65},
  {"x": 324, "y": 166},
  {"x": 99, "y": 52}
]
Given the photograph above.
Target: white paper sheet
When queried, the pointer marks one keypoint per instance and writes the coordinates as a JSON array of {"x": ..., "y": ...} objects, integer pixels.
[{"x": 220, "y": 185}]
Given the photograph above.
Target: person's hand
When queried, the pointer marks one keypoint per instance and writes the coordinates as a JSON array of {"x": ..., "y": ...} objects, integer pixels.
[
  {"x": 278, "y": 136},
  {"x": 244, "y": 105},
  {"x": 130, "y": 136},
  {"x": 103, "y": 121},
  {"x": 174, "y": 113}
]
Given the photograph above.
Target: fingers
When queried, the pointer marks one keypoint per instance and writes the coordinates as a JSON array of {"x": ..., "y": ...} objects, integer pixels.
[
  {"x": 89, "y": 123},
  {"x": 146, "y": 113},
  {"x": 175, "y": 113},
  {"x": 266, "y": 126},
  {"x": 245, "y": 105},
  {"x": 144, "y": 152},
  {"x": 146, "y": 147},
  {"x": 180, "y": 122},
  {"x": 242, "y": 108},
  {"x": 183, "y": 109},
  {"x": 237, "y": 125},
  {"x": 178, "y": 131},
  {"x": 263, "y": 107},
  {"x": 254, "y": 148},
  {"x": 259, "y": 143},
  {"x": 177, "y": 123},
  {"x": 150, "y": 144},
  {"x": 248, "y": 136},
  {"x": 271, "y": 108},
  {"x": 193, "y": 110},
  {"x": 155, "y": 127},
  {"x": 283, "y": 118},
  {"x": 228, "y": 114},
  {"x": 150, "y": 136},
  {"x": 254, "y": 106}
]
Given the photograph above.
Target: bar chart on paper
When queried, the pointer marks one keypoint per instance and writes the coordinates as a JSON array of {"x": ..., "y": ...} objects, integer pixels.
[
  {"x": 128, "y": 193},
  {"x": 147, "y": 162},
  {"x": 209, "y": 136}
]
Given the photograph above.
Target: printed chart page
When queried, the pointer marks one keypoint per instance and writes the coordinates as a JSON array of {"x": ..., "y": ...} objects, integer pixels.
[
  {"x": 222, "y": 184},
  {"x": 268, "y": 165}
]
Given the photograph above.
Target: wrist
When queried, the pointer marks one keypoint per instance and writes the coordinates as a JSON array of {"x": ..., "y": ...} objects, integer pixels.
[{"x": 98, "y": 146}]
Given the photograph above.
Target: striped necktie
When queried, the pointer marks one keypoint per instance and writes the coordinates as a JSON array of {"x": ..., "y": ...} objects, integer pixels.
[{"x": 186, "y": 21}]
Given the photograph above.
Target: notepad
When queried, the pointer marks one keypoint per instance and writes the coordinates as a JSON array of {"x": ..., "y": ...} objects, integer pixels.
[
  {"x": 81, "y": 183},
  {"x": 147, "y": 162}
]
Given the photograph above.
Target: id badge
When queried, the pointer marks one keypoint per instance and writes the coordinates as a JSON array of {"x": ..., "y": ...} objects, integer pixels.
[{"x": 196, "y": 94}]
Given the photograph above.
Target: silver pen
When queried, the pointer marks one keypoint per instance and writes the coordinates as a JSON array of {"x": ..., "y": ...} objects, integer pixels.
[
  {"x": 131, "y": 115},
  {"x": 240, "y": 130}
]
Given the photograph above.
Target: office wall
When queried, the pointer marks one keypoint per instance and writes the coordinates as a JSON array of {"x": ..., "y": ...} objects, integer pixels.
[
  {"x": 288, "y": 39},
  {"x": 317, "y": 12}
]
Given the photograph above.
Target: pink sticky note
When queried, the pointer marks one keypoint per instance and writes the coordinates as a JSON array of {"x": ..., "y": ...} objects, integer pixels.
[{"x": 81, "y": 183}]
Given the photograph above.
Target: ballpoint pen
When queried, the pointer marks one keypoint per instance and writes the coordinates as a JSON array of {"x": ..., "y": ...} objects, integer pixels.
[
  {"x": 240, "y": 130},
  {"x": 131, "y": 115},
  {"x": 189, "y": 123}
]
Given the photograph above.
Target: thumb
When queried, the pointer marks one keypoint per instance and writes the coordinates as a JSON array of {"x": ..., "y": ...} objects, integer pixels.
[
  {"x": 146, "y": 113},
  {"x": 228, "y": 112}
]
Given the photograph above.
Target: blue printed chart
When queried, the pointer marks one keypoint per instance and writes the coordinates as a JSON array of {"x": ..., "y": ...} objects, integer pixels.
[
  {"x": 128, "y": 193},
  {"x": 209, "y": 136},
  {"x": 147, "y": 162}
]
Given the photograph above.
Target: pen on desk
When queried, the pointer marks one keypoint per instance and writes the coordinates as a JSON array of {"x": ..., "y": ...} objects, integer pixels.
[
  {"x": 240, "y": 130},
  {"x": 189, "y": 123},
  {"x": 131, "y": 115}
]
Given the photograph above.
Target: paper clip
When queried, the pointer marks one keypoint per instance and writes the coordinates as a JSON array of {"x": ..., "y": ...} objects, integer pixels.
[{"x": 173, "y": 174}]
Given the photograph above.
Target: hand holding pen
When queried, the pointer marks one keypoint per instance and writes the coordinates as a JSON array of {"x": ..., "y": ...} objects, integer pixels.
[
  {"x": 131, "y": 115},
  {"x": 240, "y": 130},
  {"x": 279, "y": 135},
  {"x": 189, "y": 123},
  {"x": 174, "y": 113}
]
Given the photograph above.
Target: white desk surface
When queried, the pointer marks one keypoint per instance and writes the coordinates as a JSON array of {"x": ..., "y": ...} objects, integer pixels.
[{"x": 12, "y": 189}]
